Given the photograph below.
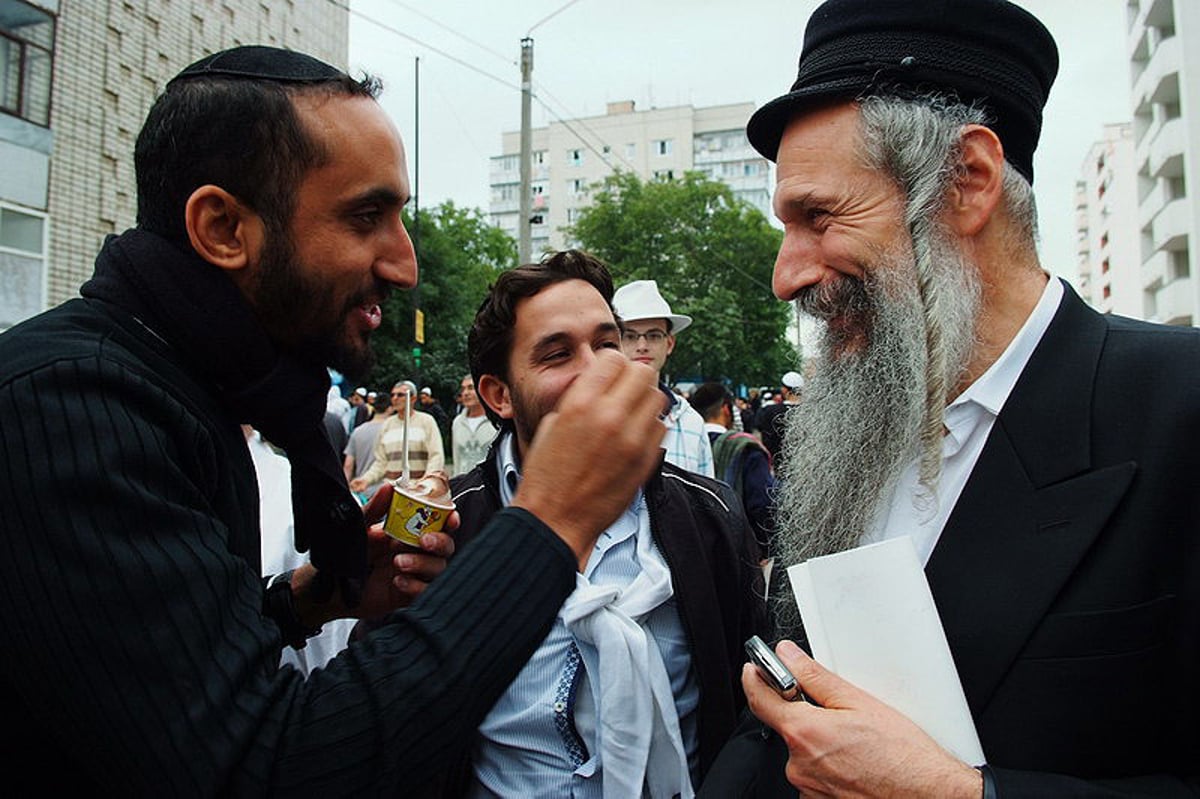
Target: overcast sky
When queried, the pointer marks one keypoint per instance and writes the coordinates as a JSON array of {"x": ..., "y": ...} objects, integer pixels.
[{"x": 662, "y": 53}]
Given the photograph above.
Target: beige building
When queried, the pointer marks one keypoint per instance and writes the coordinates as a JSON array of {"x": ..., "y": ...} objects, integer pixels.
[
  {"x": 662, "y": 143},
  {"x": 1165, "y": 74},
  {"x": 76, "y": 80},
  {"x": 1108, "y": 258}
]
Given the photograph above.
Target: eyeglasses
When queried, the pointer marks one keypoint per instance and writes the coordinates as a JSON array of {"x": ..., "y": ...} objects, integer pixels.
[
  {"x": 652, "y": 337},
  {"x": 399, "y": 393}
]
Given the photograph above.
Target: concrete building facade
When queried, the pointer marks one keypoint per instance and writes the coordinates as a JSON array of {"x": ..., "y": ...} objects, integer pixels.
[
  {"x": 1108, "y": 255},
  {"x": 1165, "y": 76},
  {"x": 76, "y": 80},
  {"x": 662, "y": 143}
]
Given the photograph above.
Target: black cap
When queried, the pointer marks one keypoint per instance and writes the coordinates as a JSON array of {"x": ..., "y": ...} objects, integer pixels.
[
  {"x": 988, "y": 52},
  {"x": 259, "y": 62}
]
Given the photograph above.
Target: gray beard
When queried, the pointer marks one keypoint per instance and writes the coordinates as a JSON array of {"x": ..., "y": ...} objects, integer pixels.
[{"x": 861, "y": 418}]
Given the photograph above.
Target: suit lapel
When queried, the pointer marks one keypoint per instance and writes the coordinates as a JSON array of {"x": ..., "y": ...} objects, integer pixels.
[{"x": 1030, "y": 510}]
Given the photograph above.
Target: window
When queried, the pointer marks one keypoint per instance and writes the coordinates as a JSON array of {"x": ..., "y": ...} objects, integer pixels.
[
  {"x": 1104, "y": 267},
  {"x": 26, "y": 51},
  {"x": 631, "y": 150},
  {"x": 661, "y": 146},
  {"x": 1179, "y": 264},
  {"x": 538, "y": 157},
  {"x": 664, "y": 174},
  {"x": 750, "y": 169},
  {"x": 573, "y": 215},
  {"x": 576, "y": 186},
  {"x": 22, "y": 264},
  {"x": 575, "y": 157}
]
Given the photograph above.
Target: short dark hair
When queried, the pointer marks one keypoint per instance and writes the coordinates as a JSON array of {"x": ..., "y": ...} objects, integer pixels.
[
  {"x": 240, "y": 134},
  {"x": 489, "y": 344},
  {"x": 709, "y": 398}
]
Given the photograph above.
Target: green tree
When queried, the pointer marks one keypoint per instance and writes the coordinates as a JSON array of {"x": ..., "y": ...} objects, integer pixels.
[
  {"x": 459, "y": 254},
  {"x": 712, "y": 256}
]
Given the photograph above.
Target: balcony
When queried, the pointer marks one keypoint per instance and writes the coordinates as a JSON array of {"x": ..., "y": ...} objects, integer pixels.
[
  {"x": 1176, "y": 301},
  {"x": 509, "y": 206},
  {"x": 1166, "y": 149},
  {"x": 1159, "y": 81},
  {"x": 1169, "y": 229},
  {"x": 1154, "y": 271}
]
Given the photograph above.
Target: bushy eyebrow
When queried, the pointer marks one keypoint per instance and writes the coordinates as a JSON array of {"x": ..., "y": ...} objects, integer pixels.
[
  {"x": 383, "y": 197},
  {"x": 559, "y": 338}
]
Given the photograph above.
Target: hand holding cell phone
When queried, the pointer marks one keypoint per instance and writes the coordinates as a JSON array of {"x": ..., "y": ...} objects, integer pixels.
[{"x": 772, "y": 670}]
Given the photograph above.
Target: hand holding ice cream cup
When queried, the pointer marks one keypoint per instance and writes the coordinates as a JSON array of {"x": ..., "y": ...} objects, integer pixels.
[{"x": 417, "y": 507}]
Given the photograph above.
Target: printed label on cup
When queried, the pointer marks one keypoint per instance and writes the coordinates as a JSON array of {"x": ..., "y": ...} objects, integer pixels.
[{"x": 408, "y": 517}]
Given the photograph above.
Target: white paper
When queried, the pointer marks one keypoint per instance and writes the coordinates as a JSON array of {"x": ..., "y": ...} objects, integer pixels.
[{"x": 870, "y": 618}]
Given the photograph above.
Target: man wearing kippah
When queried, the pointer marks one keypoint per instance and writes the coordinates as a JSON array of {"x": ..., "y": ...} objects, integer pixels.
[
  {"x": 144, "y": 649},
  {"x": 1042, "y": 457}
]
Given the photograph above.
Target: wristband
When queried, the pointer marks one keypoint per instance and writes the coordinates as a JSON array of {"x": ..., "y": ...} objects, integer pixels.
[
  {"x": 990, "y": 791},
  {"x": 279, "y": 606}
]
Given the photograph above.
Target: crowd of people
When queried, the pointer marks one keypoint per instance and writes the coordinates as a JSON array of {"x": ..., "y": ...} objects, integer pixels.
[{"x": 578, "y": 627}]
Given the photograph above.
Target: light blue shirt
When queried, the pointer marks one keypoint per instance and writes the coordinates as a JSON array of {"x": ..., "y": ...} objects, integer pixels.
[
  {"x": 539, "y": 740},
  {"x": 686, "y": 443}
]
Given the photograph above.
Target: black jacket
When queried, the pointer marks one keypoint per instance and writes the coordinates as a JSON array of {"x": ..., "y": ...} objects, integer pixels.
[
  {"x": 701, "y": 530},
  {"x": 1067, "y": 577},
  {"x": 136, "y": 647}
]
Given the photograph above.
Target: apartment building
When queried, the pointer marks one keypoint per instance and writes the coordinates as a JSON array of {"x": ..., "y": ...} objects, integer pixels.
[
  {"x": 1165, "y": 74},
  {"x": 76, "y": 80},
  {"x": 1108, "y": 254},
  {"x": 570, "y": 156}
]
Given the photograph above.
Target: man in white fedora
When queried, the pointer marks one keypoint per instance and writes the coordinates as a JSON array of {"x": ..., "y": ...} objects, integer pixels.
[{"x": 648, "y": 330}]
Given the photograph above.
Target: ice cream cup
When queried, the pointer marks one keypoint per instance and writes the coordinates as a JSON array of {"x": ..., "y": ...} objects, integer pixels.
[{"x": 412, "y": 514}]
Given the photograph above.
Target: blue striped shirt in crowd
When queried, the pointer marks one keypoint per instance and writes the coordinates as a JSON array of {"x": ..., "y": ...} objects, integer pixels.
[{"x": 686, "y": 443}]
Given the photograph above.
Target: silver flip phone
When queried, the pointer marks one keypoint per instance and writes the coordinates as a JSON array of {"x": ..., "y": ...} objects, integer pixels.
[{"x": 772, "y": 668}]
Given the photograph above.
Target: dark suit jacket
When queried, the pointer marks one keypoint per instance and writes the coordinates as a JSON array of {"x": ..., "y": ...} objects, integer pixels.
[{"x": 1068, "y": 574}]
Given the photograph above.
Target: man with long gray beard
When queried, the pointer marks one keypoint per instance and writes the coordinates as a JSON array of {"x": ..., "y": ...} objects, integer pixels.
[{"x": 1041, "y": 456}]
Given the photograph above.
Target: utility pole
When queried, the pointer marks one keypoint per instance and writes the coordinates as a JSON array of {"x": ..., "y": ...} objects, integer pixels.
[
  {"x": 524, "y": 235},
  {"x": 418, "y": 314}
]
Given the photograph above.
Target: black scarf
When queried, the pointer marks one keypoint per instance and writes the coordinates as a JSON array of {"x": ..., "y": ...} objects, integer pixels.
[{"x": 199, "y": 311}]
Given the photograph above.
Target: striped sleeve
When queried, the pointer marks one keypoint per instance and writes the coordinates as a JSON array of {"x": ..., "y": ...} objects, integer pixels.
[{"x": 134, "y": 628}]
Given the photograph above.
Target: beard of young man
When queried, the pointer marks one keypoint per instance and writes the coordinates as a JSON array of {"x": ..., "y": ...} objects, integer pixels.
[
  {"x": 860, "y": 421},
  {"x": 298, "y": 310}
]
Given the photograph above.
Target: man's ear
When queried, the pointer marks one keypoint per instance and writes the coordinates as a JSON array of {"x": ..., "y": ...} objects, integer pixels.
[
  {"x": 979, "y": 185},
  {"x": 670, "y": 343},
  {"x": 222, "y": 230},
  {"x": 495, "y": 394}
]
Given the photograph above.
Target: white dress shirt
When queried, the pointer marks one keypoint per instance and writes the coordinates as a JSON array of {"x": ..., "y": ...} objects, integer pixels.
[{"x": 913, "y": 510}]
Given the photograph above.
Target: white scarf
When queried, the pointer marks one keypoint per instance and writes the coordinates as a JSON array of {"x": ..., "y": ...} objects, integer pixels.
[{"x": 638, "y": 727}]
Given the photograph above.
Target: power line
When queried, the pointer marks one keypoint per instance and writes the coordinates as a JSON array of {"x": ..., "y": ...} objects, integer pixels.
[
  {"x": 459, "y": 34},
  {"x": 549, "y": 16},
  {"x": 416, "y": 41},
  {"x": 584, "y": 125}
]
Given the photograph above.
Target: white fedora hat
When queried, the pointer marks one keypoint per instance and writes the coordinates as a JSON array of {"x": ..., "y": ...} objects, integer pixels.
[{"x": 641, "y": 300}]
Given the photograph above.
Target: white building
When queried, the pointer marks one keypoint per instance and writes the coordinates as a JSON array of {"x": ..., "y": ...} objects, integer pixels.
[
  {"x": 1109, "y": 259},
  {"x": 76, "y": 80},
  {"x": 662, "y": 143},
  {"x": 1166, "y": 132}
]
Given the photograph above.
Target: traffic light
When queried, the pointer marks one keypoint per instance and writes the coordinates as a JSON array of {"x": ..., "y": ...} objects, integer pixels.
[{"x": 417, "y": 357}]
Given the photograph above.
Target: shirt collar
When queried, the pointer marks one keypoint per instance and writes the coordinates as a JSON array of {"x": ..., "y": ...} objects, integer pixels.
[
  {"x": 506, "y": 465},
  {"x": 510, "y": 472},
  {"x": 710, "y": 427},
  {"x": 991, "y": 389}
]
